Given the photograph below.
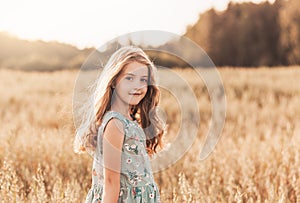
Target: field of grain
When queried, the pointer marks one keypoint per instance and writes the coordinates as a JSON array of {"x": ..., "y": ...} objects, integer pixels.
[{"x": 257, "y": 158}]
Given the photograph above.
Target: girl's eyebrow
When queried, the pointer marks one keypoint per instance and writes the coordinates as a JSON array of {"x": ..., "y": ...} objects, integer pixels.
[{"x": 135, "y": 75}]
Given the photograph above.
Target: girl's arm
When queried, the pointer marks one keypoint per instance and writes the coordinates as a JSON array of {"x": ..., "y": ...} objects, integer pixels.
[{"x": 112, "y": 149}]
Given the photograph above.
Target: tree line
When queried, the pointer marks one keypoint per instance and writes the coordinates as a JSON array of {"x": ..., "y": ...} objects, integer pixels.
[
  {"x": 245, "y": 34},
  {"x": 248, "y": 34},
  {"x": 39, "y": 55}
]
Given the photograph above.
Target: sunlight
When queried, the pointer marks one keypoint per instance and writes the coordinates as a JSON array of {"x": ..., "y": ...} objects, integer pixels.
[{"x": 93, "y": 23}]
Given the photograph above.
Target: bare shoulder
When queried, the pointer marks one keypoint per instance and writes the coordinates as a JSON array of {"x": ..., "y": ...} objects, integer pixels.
[
  {"x": 113, "y": 137},
  {"x": 114, "y": 132}
]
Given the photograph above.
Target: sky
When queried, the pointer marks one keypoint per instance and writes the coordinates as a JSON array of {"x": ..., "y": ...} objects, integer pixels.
[{"x": 92, "y": 23}]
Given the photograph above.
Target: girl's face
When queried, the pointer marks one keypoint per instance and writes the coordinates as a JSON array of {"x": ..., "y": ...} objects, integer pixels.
[{"x": 131, "y": 86}]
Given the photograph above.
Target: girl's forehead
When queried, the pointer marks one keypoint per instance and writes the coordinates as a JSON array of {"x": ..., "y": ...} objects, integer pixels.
[{"x": 136, "y": 68}]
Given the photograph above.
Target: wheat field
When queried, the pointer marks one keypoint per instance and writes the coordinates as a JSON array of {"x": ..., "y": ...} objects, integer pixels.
[{"x": 257, "y": 158}]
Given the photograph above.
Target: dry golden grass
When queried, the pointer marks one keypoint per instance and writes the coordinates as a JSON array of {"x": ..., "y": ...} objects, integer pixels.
[{"x": 256, "y": 160}]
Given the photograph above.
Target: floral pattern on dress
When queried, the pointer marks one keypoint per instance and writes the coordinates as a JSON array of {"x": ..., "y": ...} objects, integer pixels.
[{"x": 136, "y": 180}]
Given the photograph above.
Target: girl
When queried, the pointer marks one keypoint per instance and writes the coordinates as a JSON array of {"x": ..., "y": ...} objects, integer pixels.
[{"x": 123, "y": 129}]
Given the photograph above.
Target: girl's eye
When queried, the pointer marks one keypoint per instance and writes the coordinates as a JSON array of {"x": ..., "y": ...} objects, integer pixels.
[
  {"x": 144, "y": 80},
  {"x": 129, "y": 78}
]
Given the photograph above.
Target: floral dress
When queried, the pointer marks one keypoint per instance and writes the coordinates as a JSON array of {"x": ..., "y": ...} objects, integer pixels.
[{"x": 136, "y": 180}]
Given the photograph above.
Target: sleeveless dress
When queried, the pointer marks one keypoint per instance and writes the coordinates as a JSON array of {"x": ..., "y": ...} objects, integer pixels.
[{"x": 137, "y": 184}]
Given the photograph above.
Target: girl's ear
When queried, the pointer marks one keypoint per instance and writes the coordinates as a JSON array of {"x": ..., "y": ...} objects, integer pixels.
[{"x": 113, "y": 85}]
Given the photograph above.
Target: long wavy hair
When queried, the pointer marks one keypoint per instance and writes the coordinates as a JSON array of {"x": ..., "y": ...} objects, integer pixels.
[{"x": 100, "y": 102}]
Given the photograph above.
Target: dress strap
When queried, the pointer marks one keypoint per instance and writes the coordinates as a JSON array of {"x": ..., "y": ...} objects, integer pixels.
[
  {"x": 113, "y": 114},
  {"x": 106, "y": 118}
]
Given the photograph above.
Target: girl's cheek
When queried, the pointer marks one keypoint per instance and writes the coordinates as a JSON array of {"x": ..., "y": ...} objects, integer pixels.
[
  {"x": 145, "y": 91},
  {"x": 125, "y": 84}
]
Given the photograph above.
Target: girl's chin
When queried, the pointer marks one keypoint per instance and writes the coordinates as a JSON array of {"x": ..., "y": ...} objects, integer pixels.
[{"x": 134, "y": 102}]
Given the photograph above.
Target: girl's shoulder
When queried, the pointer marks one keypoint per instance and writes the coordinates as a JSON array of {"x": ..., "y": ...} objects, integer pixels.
[
  {"x": 129, "y": 125},
  {"x": 131, "y": 128},
  {"x": 114, "y": 114}
]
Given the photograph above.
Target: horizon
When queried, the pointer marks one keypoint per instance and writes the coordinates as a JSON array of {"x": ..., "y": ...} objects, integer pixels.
[{"x": 35, "y": 20}]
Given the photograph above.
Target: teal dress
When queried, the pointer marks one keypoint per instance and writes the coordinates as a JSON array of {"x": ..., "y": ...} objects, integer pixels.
[{"x": 136, "y": 180}]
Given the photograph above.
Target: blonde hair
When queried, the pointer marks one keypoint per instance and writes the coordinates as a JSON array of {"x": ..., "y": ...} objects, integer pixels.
[{"x": 100, "y": 102}]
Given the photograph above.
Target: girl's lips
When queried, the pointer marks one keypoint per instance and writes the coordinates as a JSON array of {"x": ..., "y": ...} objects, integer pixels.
[{"x": 135, "y": 93}]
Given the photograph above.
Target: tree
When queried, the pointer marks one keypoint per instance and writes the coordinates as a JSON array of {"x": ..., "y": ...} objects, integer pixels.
[
  {"x": 245, "y": 34},
  {"x": 290, "y": 31}
]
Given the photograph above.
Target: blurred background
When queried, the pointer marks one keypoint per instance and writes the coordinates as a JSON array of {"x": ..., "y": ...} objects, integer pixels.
[
  {"x": 60, "y": 35},
  {"x": 255, "y": 46}
]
